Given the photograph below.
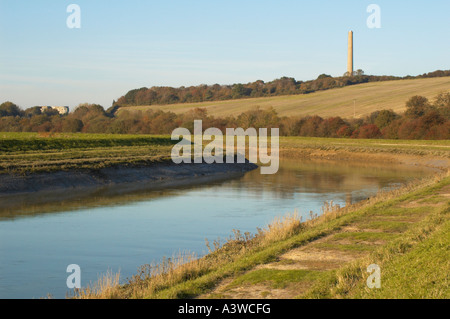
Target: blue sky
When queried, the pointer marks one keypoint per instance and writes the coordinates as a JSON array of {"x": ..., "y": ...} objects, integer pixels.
[{"x": 123, "y": 45}]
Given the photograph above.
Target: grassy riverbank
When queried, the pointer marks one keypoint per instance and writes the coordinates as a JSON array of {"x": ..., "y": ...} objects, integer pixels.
[
  {"x": 404, "y": 232},
  {"x": 34, "y": 152},
  {"x": 38, "y": 152}
]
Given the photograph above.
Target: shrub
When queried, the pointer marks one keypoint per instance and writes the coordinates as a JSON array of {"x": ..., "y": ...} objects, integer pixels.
[
  {"x": 311, "y": 126},
  {"x": 369, "y": 131},
  {"x": 344, "y": 131},
  {"x": 439, "y": 132}
]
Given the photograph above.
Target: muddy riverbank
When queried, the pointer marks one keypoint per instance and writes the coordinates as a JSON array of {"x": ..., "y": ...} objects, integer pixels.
[{"x": 121, "y": 179}]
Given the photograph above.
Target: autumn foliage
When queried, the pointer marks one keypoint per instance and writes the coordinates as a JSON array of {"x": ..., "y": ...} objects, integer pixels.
[{"x": 423, "y": 119}]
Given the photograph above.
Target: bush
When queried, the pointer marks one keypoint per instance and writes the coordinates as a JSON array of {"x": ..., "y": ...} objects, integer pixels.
[
  {"x": 439, "y": 132},
  {"x": 369, "y": 131},
  {"x": 330, "y": 126},
  {"x": 344, "y": 131},
  {"x": 391, "y": 131},
  {"x": 311, "y": 126}
]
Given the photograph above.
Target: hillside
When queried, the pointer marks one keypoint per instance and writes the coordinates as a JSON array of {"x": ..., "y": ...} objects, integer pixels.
[{"x": 369, "y": 98}]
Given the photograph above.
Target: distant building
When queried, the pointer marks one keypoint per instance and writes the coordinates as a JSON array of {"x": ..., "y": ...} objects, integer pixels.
[{"x": 63, "y": 110}]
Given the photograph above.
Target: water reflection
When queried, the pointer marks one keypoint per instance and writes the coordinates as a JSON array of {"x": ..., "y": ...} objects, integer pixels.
[
  {"x": 294, "y": 176},
  {"x": 29, "y": 205},
  {"x": 328, "y": 177}
]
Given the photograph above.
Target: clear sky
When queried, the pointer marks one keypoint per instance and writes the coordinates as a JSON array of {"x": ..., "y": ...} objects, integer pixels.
[{"x": 123, "y": 45}]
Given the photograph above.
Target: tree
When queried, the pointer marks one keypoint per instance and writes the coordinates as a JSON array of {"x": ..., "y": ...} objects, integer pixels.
[
  {"x": 9, "y": 109},
  {"x": 442, "y": 104},
  {"x": 323, "y": 76},
  {"x": 369, "y": 131},
  {"x": 239, "y": 91},
  {"x": 344, "y": 131},
  {"x": 384, "y": 118},
  {"x": 71, "y": 125},
  {"x": 391, "y": 131},
  {"x": 417, "y": 106},
  {"x": 311, "y": 126},
  {"x": 412, "y": 129},
  {"x": 32, "y": 111},
  {"x": 86, "y": 110},
  {"x": 330, "y": 126},
  {"x": 432, "y": 118}
]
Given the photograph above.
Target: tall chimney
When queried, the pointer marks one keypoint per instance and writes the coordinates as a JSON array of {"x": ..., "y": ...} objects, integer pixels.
[{"x": 350, "y": 54}]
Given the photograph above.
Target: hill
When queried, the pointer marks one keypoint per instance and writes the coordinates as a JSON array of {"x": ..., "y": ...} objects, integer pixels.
[{"x": 368, "y": 97}]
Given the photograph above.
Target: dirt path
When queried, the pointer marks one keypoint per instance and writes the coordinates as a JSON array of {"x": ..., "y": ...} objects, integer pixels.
[{"x": 295, "y": 271}]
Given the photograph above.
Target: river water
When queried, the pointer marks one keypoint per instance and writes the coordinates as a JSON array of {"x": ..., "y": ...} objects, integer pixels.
[{"x": 121, "y": 233}]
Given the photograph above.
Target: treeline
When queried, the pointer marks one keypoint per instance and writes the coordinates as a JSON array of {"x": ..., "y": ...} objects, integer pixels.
[
  {"x": 423, "y": 119},
  {"x": 282, "y": 86}
]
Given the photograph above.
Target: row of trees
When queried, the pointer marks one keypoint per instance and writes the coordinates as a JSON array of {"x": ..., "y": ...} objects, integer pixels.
[
  {"x": 282, "y": 86},
  {"x": 423, "y": 119}
]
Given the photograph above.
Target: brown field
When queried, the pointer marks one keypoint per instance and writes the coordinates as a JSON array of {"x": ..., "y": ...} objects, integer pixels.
[{"x": 369, "y": 97}]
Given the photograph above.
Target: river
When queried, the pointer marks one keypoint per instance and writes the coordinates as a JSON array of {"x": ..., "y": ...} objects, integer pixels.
[{"x": 124, "y": 232}]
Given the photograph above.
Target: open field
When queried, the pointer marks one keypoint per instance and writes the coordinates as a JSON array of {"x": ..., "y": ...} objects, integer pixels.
[{"x": 369, "y": 97}]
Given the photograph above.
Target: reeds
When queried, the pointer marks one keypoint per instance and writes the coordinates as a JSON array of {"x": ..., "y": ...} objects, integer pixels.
[
  {"x": 281, "y": 228},
  {"x": 106, "y": 287}
]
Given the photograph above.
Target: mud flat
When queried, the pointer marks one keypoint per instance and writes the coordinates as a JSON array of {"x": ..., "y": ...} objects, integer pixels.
[{"x": 44, "y": 187}]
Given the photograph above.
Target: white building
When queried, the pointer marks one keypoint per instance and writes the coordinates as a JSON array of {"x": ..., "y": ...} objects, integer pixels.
[{"x": 63, "y": 110}]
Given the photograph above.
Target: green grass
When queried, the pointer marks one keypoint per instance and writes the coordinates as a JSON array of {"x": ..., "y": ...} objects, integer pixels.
[
  {"x": 422, "y": 272},
  {"x": 439, "y": 148},
  {"x": 413, "y": 265},
  {"x": 345, "y": 247},
  {"x": 33, "y": 152},
  {"x": 276, "y": 278},
  {"x": 403, "y": 212},
  {"x": 369, "y": 98},
  {"x": 363, "y": 236},
  {"x": 23, "y": 142},
  {"x": 433, "y": 200},
  {"x": 386, "y": 226}
]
